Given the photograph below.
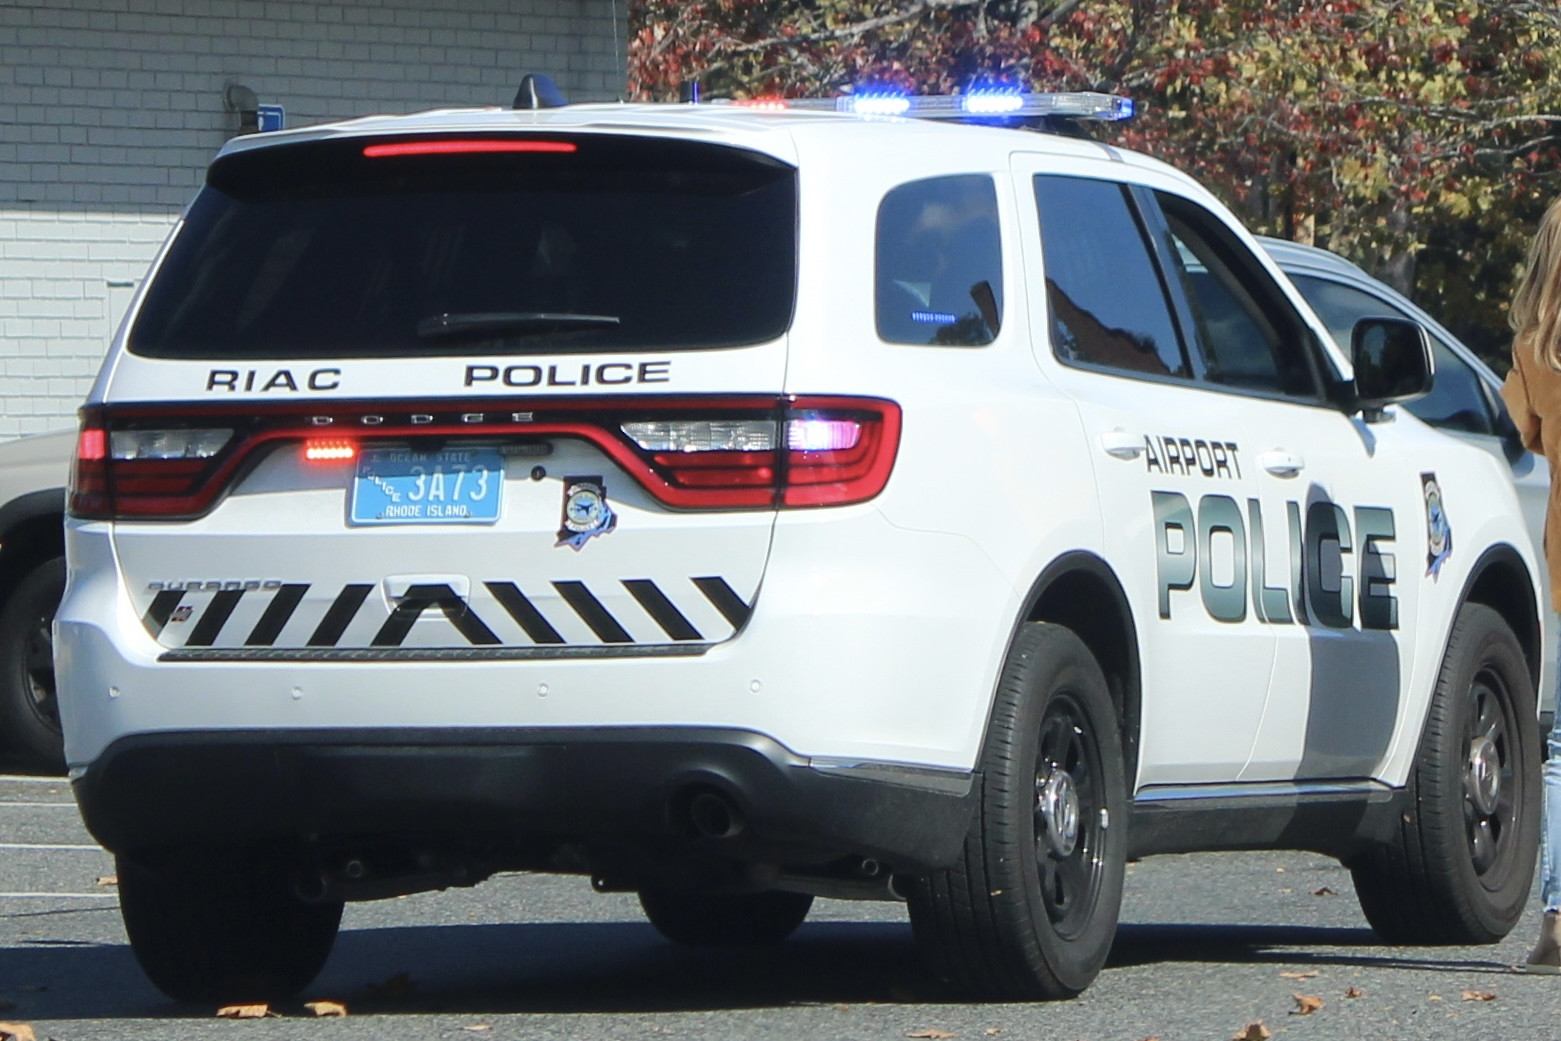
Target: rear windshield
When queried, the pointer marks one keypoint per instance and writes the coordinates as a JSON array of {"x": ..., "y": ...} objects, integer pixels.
[{"x": 405, "y": 246}]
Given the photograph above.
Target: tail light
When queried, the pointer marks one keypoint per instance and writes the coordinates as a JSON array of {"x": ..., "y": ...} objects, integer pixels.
[{"x": 739, "y": 452}]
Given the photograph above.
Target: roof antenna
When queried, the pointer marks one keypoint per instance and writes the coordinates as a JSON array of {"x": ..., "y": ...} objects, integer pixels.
[{"x": 538, "y": 91}]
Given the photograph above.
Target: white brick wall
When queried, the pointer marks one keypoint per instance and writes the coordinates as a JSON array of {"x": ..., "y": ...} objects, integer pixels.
[{"x": 110, "y": 110}]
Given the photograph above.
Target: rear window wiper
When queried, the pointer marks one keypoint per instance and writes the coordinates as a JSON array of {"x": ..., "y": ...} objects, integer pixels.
[{"x": 503, "y": 323}]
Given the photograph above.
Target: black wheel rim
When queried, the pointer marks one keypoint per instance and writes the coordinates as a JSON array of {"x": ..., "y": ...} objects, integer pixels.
[
  {"x": 1070, "y": 815},
  {"x": 1490, "y": 781},
  {"x": 37, "y": 661}
]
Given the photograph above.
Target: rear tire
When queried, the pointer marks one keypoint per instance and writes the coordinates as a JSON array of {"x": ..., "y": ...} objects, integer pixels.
[
  {"x": 1031, "y": 910},
  {"x": 29, "y": 710},
  {"x": 1460, "y": 867},
  {"x": 724, "y": 919},
  {"x": 223, "y": 927}
]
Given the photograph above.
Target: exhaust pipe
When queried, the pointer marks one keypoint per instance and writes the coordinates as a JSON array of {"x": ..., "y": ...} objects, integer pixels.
[{"x": 714, "y": 816}]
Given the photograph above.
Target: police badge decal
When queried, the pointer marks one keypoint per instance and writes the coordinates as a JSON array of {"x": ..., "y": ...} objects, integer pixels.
[
  {"x": 1439, "y": 533},
  {"x": 586, "y": 512}
]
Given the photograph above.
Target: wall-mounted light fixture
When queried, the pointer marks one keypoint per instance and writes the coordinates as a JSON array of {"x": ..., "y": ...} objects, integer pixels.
[{"x": 240, "y": 99}]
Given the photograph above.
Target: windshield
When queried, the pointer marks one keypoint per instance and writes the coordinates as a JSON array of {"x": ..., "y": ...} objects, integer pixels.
[{"x": 403, "y": 246}]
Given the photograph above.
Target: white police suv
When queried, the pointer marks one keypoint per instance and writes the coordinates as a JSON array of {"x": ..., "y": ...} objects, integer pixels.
[{"x": 738, "y": 505}]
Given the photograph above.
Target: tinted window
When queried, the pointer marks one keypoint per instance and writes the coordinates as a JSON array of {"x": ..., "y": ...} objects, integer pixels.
[
  {"x": 320, "y": 250},
  {"x": 1457, "y": 400},
  {"x": 1244, "y": 336},
  {"x": 1108, "y": 305},
  {"x": 939, "y": 268}
]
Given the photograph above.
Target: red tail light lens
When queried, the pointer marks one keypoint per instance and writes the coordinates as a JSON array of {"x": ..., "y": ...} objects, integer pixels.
[{"x": 738, "y": 452}]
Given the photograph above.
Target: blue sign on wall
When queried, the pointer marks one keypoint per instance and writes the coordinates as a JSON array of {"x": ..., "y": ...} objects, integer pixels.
[{"x": 270, "y": 117}]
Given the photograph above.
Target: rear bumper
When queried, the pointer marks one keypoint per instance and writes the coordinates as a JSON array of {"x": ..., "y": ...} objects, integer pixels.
[{"x": 587, "y": 785}]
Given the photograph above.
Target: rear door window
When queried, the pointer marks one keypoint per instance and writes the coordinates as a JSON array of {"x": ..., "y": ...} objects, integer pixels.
[
  {"x": 407, "y": 246},
  {"x": 1108, "y": 304}
]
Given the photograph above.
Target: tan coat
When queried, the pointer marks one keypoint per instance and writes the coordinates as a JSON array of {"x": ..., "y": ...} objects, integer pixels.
[{"x": 1533, "y": 396}]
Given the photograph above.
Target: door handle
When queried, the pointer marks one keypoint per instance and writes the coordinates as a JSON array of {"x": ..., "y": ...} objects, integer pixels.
[
  {"x": 1281, "y": 463},
  {"x": 1119, "y": 444}
]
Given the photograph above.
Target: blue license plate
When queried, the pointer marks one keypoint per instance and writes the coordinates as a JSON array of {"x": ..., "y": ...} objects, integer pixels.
[{"x": 450, "y": 486}]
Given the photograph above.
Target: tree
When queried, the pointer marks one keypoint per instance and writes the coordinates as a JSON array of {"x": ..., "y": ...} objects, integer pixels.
[{"x": 1417, "y": 137}]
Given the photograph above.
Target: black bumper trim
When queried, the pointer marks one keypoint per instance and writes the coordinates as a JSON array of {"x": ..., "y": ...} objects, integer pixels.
[{"x": 520, "y": 785}]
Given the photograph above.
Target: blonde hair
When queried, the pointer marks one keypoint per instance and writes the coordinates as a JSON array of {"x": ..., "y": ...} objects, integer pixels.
[{"x": 1535, "y": 316}]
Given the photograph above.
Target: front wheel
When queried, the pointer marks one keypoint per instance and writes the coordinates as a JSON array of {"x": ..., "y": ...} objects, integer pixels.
[
  {"x": 1031, "y": 910},
  {"x": 223, "y": 926},
  {"x": 1458, "y": 870},
  {"x": 720, "y": 919}
]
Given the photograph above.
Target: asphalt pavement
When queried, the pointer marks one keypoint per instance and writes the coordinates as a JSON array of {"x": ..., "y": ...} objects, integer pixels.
[{"x": 1210, "y": 944}]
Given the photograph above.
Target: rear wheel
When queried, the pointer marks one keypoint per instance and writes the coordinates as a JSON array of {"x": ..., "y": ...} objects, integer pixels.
[
  {"x": 1031, "y": 910},
  {"x": 223, "y": 926},
  {"x": 717, "y": 919},
  {"x": 29, "y": 711},
  {"x": 1459, "y": 869}
]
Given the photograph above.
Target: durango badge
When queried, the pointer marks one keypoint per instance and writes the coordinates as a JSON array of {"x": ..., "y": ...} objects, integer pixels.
[
  {"x": 1439, "y": 533},
  {"x": 586, "y": 512}
]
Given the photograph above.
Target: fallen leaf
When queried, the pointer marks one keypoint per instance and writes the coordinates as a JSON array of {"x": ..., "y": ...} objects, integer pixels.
[
  {"x": 1324, "y": 891},
  {"x": 1478, "y": 995},
  {"x": 17, "y": 1032},
  {"x": 1281, "y": 871},
  {"x": 1298, "y": 975},
  {"x": 992, "y": 1031},
  {"x": 326, "y": 1008},
  {"x": 931, "y": 1032},
  {"x": 477, "y": 1028},
  {"x": 1306, "y": 1004},
  {"x": 1354, "y": 992},
  {"x": 108, "y": 880},
  {"x": 1254, "y": 1031},
  {"x": 1433, "y": 997},
  {"x": 257, "y": 1011}
]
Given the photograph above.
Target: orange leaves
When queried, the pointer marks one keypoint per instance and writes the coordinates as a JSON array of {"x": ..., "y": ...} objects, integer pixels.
[{"x": 1305, "y": 1004}]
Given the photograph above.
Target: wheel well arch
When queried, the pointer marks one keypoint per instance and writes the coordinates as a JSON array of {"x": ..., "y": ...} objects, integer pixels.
[
  {"x": 31, "y": 531},
  {"x": 1502, "y": 581},
  {"x": 1080, "y": 591}
]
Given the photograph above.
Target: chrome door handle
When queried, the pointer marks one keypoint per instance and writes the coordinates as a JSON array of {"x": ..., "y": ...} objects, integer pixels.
[
  {"x": 1119, "y": 444},
  {"x": 1281, "y": 463}
]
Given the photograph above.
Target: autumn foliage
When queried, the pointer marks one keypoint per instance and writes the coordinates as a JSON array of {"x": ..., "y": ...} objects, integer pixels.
[{"x": 1417, "y": 137}]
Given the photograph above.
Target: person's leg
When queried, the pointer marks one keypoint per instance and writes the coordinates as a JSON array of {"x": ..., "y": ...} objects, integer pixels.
[{"x": 1546, "y": 955}]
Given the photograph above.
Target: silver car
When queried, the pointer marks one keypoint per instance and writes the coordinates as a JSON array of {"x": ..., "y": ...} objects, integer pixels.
[{"x": 1465, "y": 399}]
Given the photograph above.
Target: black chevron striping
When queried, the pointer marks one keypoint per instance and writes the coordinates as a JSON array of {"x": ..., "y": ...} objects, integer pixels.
[
  {"x": 591, "y": 611},
  {"x": 435, "y": 594},
  {"x": 661, "y": 609},
  {"x": 725, "y": 599},
  {"x": 524, "y": 612},
  {"x": 340, "y": 615},
  {"x": 163, "y": 603},
  {"x": 277, "y": 613},
  {"x": 214, "y": 618}
]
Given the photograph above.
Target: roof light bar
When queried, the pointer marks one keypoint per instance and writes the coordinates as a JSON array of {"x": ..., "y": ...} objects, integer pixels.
[{"x": 983, "y": 103}]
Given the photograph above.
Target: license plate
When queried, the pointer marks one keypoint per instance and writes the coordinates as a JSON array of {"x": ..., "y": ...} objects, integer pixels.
[{"x": 450, "y": 486}]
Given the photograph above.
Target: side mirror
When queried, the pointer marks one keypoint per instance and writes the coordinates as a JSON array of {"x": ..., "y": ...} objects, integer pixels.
[{"x": 1392, "y": 359}]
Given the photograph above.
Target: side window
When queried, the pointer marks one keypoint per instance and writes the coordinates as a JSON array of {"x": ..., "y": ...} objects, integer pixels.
[
  {"x": 1247, "y": 338},
  {"x": 939, "y": 269},
  {"x": 1457, "y": 400},
  {"x": 1108, "y": 305}
]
